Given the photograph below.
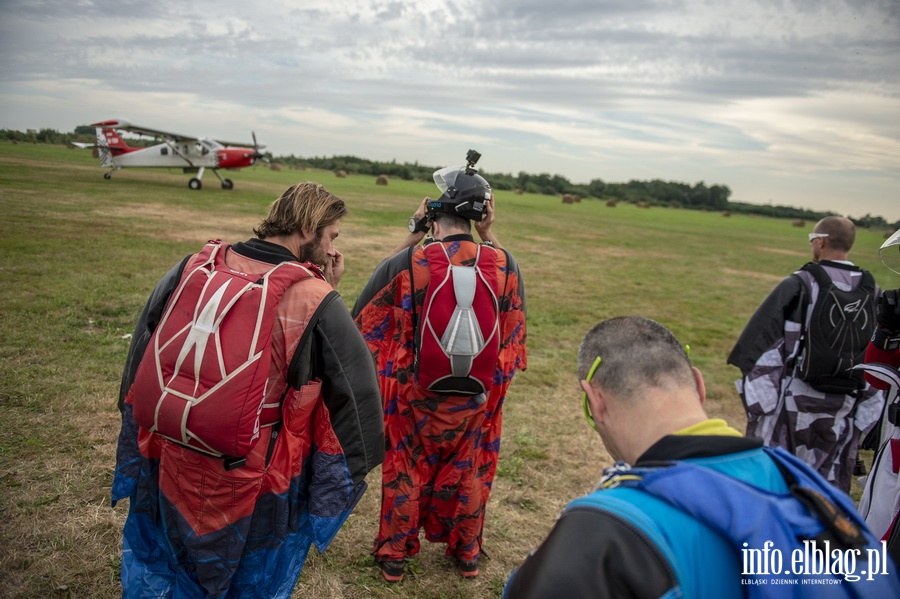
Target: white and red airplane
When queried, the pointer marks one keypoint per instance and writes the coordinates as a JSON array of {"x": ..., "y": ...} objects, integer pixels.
[{"x": 192, "y": 154}]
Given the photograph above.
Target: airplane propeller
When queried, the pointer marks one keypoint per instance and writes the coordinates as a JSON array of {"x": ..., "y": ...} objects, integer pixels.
[{"x": 256, "y": 155}]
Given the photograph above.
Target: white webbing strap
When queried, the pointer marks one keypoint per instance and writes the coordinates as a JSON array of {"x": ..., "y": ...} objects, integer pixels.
[{"x": 462, "y": 340}]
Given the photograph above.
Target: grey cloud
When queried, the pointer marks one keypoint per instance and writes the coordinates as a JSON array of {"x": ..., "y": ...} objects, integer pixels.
[
  {"x": 60, "y": 10},
  {"x": 535, "y": 48}
]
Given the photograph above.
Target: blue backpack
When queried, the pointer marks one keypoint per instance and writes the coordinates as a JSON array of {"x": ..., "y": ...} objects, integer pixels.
[{"x": 813, "y": 517}]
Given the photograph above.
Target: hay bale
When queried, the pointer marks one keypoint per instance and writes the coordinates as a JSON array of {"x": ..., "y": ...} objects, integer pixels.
[
  {"x": 799, "y": 223},
  {"x": 611, "y": 203},
  {"x": 726, "y": 214},
  {"x": 340, "y": 174},
  {"x": 643, "y": 204},
  {"x": 381, "y": 180},
  {"x": 275, "y": 166},
  {"x": 568, "y": 198},
  {"x": 518, "y": 191}
]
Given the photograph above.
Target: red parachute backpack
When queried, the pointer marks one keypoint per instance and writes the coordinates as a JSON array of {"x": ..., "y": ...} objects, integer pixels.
[
  {"x": 458, "y": 338},
  {"x": 202, "y": 380}
]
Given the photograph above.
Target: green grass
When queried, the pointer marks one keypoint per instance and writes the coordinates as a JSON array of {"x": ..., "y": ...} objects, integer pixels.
[{"x": 79, "y": 255}]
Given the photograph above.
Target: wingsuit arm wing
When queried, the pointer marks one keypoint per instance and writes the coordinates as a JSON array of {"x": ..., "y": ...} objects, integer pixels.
[
  {"x": 349, "y": 386},
  {"x": 766, "y": 326}
]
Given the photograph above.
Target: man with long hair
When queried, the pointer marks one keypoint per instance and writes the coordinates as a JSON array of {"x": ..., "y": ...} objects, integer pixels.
[{"x": 201, "y": 525}]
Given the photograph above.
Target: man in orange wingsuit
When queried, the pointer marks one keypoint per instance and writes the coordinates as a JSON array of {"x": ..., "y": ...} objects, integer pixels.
[{"x": 445, "y": 322}]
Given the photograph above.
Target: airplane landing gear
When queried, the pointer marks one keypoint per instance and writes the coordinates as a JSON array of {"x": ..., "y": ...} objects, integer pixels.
[
  {"x": 226, "y": 183},
  {"x": 107, "y": 175},
  {"x": 195, "y": 183}
]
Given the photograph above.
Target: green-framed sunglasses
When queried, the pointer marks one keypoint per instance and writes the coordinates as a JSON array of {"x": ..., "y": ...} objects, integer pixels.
[{"x": 584, "y": 397}]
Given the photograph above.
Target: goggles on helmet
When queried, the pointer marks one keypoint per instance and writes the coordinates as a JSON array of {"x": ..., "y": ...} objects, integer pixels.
[{"x": 890, "y": 252}]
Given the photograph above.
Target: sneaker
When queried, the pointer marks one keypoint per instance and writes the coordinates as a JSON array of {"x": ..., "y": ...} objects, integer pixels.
[
  {"x": 468, "y": 569},
  {"x": 392, "y": 569}
]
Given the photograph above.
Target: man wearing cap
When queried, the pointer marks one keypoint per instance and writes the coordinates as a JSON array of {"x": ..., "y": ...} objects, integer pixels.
[
  {"x": 821, "y": 422},
  {"x": 442, "y": 427}
]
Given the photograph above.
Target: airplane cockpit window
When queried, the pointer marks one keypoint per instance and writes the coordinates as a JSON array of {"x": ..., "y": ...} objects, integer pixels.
[{"x": 211, "y": 144}]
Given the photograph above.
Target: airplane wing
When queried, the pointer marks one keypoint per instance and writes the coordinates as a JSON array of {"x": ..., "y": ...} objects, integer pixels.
[
  {"x": 230, "y": 144},
  {"x": 123, "y": 125},
  {"x": 82, "y": 145}
]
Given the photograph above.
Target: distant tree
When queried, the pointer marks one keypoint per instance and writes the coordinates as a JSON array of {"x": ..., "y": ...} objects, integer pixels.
[
  {"x": 718, "y": 195},
  {"x": 596, "y": 188},
  {"x": 869, "y": 221}
]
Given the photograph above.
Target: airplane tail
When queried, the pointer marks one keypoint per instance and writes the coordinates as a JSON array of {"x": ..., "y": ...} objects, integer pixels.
[{"x": 109, "y": 144}]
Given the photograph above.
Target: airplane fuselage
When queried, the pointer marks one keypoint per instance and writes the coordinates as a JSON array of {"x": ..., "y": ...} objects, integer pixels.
[{"x": 203, "y": 153}]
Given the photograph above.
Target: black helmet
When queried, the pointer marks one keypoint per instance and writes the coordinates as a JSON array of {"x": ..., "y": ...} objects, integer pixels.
[{"x": 463, "y": 191}]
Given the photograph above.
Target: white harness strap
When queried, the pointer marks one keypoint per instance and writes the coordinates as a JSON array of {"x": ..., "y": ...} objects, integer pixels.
[{"x": 463, "y": 340}]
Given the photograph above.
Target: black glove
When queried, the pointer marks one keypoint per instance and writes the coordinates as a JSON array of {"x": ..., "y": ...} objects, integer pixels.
[{"x": 887, "y": 310}]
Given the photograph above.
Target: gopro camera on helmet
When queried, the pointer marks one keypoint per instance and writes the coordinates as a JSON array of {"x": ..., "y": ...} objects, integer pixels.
[
  {"x": 472, "y": 159},
  {"x": 463, "y": 191}
]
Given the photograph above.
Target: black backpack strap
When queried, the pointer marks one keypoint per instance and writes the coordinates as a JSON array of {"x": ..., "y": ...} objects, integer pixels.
[
  {"x": 823, "y": 280},
  {"x": 868, "y": 282},
  {"x": 819, "y": 274},
  {"x": 804, "y": 306}
]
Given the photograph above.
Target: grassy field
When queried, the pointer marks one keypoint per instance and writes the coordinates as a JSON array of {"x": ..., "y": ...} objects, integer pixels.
[{"x": 79, "y": 255}]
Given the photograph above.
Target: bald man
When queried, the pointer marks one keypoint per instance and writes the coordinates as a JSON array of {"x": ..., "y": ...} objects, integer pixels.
[{"x": 819, "y": 418}]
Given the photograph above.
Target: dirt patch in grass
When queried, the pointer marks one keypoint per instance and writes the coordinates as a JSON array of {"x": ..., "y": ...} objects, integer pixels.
[{"x": 175, "y": 223}]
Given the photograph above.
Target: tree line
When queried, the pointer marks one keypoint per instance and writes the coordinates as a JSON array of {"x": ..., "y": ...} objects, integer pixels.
[
  {"x": 672, "y": 194},
  {"x": 656, "y": 192}
]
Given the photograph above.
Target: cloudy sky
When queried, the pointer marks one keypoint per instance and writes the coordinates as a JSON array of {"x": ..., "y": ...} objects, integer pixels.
[{"x": 793, "y": 102}]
